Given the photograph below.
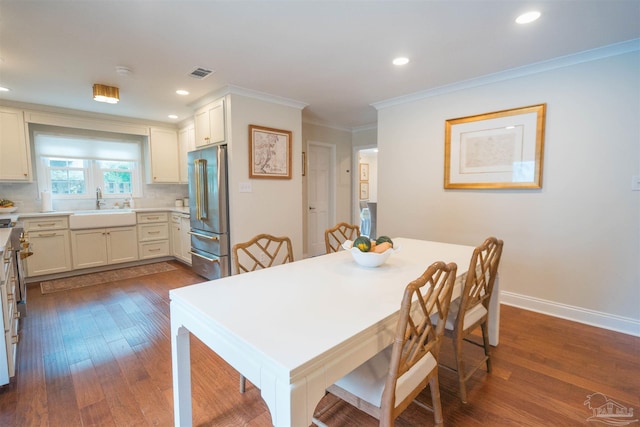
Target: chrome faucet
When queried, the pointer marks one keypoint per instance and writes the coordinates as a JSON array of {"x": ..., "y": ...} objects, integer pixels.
[{"x": 98, "y": 197}]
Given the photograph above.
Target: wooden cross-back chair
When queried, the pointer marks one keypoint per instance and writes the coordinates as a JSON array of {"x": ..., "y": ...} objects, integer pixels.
[
  {"x": 388, "y": 383},
  {"x": 471, "y": 310},
  {"x": 334, "y": 237},
  {"x": 262, "y": 251}
]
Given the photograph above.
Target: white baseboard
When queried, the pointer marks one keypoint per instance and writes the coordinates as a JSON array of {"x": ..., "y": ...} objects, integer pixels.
[{"x": 612, "y": 322}]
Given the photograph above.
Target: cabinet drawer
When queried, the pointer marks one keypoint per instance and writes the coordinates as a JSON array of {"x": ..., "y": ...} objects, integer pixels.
[
  {"x": 154, "y": 249},
  {"x": 150, "y": 232},
  {"x": 50, "y": 223},
  {"x": 149, "y": 217}
]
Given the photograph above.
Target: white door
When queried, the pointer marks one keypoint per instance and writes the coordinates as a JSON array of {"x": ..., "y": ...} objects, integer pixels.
[{"x": 320, "y": 213}]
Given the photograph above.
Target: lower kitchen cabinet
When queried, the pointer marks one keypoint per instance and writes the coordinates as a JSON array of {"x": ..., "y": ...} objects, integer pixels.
[
  {"x": 180, "y": 238},
  {"x": 103, "y": 246},
  {"x": 51, "y": 252}
]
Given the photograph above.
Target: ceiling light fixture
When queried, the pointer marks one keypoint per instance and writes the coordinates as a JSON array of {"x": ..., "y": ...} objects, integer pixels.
[
  {"x": 108, "y": 94},
  {"x": 528, "y": 17},
  {"x": 4, "y": 89},
  {"x": 401, "y": 61},
  {"x": 182, "y": 92},
  {"x": 172, "y": 116}
]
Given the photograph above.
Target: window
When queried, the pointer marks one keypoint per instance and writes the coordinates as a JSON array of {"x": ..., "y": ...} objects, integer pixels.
[{"x": 73, "y": 166}]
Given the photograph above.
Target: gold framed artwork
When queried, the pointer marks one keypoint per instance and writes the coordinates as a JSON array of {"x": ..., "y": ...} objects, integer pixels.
[
  {"x": 364, "y": 171},
  {"x": 269, "y": 153},
  {"x": 364, "y": 190},
  {"x": 502, "y": 149}
]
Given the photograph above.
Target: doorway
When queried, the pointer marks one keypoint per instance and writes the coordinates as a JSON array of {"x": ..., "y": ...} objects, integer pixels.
[
  {"x": 365, "y": 189},
  {"x": 320, "y": 194}
]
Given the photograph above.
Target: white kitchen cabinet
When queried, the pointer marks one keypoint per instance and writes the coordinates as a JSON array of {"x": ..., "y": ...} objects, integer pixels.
[
  {"x": 15, "y": 156},
  {"x": 153, "y": 235},
  {"x": 209, "y": 124},
  {"x": 103, "y": 246},
  {"x": 180, "y": 238},
  {"x": 186, "y": 143},
  {"x": 9, "y": 316},
  {"x": 164, "y": 166},
  {"x": 49, "y": 238}
]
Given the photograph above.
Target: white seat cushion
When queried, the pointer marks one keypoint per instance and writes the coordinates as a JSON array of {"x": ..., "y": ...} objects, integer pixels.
[
  {"x": 367, "y": 381},
  {"x": 470, "y": 317}
]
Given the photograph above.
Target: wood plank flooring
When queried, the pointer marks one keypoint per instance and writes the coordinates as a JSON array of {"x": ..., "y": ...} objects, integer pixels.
[{"x": 101, "y": 356}]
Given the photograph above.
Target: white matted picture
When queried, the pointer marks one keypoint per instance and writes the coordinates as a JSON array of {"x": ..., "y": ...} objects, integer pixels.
[
  {"x": 364, "y": 190},
  {"x": 364, "y": 171},
  {"x": 269, "y": 153},
  {"x": 503, "y": 149}
]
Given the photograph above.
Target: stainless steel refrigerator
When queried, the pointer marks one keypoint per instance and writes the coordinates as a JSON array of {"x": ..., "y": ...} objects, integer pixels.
[{"x": 209, "y": 211}]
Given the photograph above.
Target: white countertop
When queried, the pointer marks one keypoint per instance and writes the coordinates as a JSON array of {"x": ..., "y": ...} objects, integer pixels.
[{"x": 184, "y": 210}]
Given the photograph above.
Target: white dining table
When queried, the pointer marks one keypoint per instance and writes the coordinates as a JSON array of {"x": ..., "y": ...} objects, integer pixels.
[{"x": 294, "y": 329}]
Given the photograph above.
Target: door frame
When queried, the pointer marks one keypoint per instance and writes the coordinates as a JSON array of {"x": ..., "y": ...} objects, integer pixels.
[{"x": 332, "y": 187}]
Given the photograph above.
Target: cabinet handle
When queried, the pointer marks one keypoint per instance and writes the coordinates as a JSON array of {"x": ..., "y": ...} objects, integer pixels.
[
  {"x": 16, "y": 315},
  {"x": 15, "y": 339},
  {"x": 154, "y": 250},
  {"x": 46, "y": 234},
  {"x": 49, "y": 224}
]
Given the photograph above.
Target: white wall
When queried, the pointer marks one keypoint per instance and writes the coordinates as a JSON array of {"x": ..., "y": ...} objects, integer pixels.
[
  {"x": 273, "y": 206},
  {"x": 572, "y": 248}
]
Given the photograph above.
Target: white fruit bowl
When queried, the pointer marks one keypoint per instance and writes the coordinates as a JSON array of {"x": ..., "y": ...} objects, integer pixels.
[
  {"x": 368, "y": 259},
  {"x": 8, "y": 210}
]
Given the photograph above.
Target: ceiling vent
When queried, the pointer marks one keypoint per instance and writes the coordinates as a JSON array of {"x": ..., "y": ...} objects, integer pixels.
[{"x": 200, "y": 73}]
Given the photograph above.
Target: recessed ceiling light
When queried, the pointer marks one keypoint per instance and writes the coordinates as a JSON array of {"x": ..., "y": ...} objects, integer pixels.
[
  {"x": 182, "y": 92},
  {"x": 401, "y": 61},
  {"x": 528, "y": 17},
  {"x": 4, "y": 89},
  {"x": 173, "y": 116}
]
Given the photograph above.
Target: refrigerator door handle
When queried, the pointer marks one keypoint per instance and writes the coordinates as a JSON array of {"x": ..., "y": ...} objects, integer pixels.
[
  {"x": 204, "y": 257},
  {"x": 201, "y": 188},
  {"x": 203, "y": 236}
]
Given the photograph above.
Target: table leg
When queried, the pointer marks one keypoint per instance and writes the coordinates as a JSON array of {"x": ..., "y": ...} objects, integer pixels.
[{"x": 181, "y": 367}]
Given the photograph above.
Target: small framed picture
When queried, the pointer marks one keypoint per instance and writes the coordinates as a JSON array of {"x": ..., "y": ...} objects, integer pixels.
[
  {"x": 364, "y": 171},
  {"x": 269, "y": 153},
  {"x": 364, "y": 190}
]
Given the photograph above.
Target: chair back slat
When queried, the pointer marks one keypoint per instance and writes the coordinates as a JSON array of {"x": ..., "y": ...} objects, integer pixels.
[
  {"x": 334, "y": 237},
  {"x": 262, "y": 251}
]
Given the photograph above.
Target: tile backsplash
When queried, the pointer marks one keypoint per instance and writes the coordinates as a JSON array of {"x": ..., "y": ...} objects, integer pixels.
[{"x": 27, "y": 197}]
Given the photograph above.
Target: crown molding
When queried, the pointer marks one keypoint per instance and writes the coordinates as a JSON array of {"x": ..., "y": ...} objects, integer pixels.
[{"x": 535, "y": 68}]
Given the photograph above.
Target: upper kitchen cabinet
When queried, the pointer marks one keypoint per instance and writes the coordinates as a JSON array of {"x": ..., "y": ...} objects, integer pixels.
[
  {"x": 186, "y": 143},
  {"x": 15, "y": 158},
  {"x": 163, "y": 156},
  {"x": 209, "y": 124}
]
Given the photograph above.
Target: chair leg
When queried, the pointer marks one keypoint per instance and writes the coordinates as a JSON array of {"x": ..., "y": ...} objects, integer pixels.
[
  {"x": 457, "y": 349},
  {"x": 434, "y": 385},
  {"x": 487, "y": 346},
  {"x": 243, "y": 382}
]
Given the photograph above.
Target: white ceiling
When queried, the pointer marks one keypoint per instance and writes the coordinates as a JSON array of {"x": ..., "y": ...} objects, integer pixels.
[{"x": 334, "y": 56}]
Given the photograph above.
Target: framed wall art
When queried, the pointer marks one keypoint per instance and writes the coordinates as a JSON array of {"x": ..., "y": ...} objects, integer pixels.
[
  {"x": 364, "y": 171},
  {"x": 503, "y": 149},
  {"x": 269, "y": 153},
  {"x": 364, "y": 190}
]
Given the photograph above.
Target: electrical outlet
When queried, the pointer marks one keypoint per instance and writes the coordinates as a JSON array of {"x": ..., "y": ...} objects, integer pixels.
[
  {"x": 245, "y": 187},
  {"x": 635, "y": 183}
]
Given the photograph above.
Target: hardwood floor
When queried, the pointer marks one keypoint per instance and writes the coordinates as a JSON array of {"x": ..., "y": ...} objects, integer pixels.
[{"x": 101, "y": 356}]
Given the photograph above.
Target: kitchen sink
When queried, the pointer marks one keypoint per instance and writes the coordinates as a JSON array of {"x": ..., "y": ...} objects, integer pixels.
[{"x": 99, "y": 218}]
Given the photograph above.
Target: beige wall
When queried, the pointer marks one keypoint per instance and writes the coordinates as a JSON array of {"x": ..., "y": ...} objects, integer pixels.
[
  {"x": 571, "y": 248},
  {"x": 273, "y": 206}
]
